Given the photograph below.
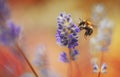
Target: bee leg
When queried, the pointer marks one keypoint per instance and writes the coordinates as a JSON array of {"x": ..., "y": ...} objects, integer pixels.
[
  {"x": 86, "y": 34},
  {"x": 81, "y": 23},
  {"x": 81, "y": 28},
  {"x": 85, "y": 37},
  {"x": 90, "y": 32}
]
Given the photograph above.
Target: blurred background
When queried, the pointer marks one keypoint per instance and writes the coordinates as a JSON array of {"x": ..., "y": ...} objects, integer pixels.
[{"x": 38, "y": 21}]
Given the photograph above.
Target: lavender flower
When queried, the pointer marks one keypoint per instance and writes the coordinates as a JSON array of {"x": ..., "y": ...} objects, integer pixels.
[
  {"x": 74, "y": 54},
  {"x": 63, "y": 57},
  {"x": 67, "y": 33},
  {"x": 104, "y": 68},
  {"x": 40, "y": 60},
  {"x": 54, "y": 74},
  {"x": 44, "y": 72},
  {"x": 40, "y": 57},
  {"x": 49, "y": 73},
  {"x": 95, "y": 68},
  {"x": 98, "y": 12},
  {"x": 103, "y": 38},
  {"x": 99, "y": 8},
  {"x": 4, "y": 11},
  {"x": 9, "y": 34},
  {"x": 104, "y": 35}
]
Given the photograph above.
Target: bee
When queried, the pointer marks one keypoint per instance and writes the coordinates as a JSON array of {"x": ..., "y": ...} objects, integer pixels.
[{"x": 86, "y": 25}]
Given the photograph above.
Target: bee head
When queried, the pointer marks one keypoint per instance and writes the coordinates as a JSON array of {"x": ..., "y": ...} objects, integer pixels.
[{"x": 81, "y": 24}]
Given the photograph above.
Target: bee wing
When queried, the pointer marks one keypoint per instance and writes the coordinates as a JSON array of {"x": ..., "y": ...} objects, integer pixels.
[
  {"x": 94, "y": 26},
  {"x": 80, "y": 19},
  {"x": 104, "y": 68},
  {"x": 89, "y": 19}
]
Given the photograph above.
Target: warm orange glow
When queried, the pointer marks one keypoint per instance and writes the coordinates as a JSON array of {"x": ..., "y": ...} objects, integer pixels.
[{"x": 38, "y": 19}]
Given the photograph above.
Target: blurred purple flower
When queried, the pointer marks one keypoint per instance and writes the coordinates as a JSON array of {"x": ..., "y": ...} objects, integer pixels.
[
  {"x": 44, "y": 72},
  {"x": 9, "y": 34},
  {"x": 74, "y": 54},
  {"x": 41, "y": 62},
  {"x": 99, "y": 8},
  {"x": 4, "y": 11},
  {"x": 40, "y": 57},
  {"x": 102, "y": 40},
  {"x": 95, "y": 68},
  {"x": 104, "y": 68},
  {"x": 106, "y": 26},
  {"x": 67, "y": 32},
  {"x": 49, "y": 73},
  {"x": 98, "y": 13},
  {"x": 104, "y": 35},
  {"x": 63, "y": 57}
]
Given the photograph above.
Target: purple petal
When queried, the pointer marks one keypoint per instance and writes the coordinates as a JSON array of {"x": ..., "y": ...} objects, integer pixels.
[{"x": 63, "y": 57}]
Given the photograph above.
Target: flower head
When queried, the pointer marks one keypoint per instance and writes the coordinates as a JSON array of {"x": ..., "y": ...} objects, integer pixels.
[
  {"x": 104, "y": 68},
  {"x": 95, "y": 68},
  {"x": 98, "y": 13},
  {"x": 10, "y": 33},
  {"x": 104, "y": 35},
  {"x": 74, "y": 54},
  {"x": 4, "y": 11},
  {"x": 63, "y": 57},
  {"x": 99, "y": 8},
  {"x": 40, "y": 59},
  {"x": 67, "y": 32}
]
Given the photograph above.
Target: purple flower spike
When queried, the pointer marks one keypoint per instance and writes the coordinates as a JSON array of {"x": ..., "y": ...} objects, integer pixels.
[
  {"x": 95, "y": 68},
  {"x": 9, "y": 34},
  {"x": 67, "y": 35},
  {"x": 75, "y": 52},
  {"x": 14, "y": 30},
  {"x": 63, "y": 57},
  {"x": 4, "y": 11},
  {"x": 67, "y": 32}
]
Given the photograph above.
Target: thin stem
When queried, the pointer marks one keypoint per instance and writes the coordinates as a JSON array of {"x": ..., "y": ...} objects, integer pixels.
[
  {"x": 99, "y": 74},
  {"x": 78, "y": 68},
  {"x": 70, "y": 64},
  {"x": 29, "y": 64},
  {"x": 101, "y": 60}
]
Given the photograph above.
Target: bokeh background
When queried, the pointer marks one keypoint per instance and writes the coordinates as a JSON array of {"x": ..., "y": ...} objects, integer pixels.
[{"x": 38, "y": 21}]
